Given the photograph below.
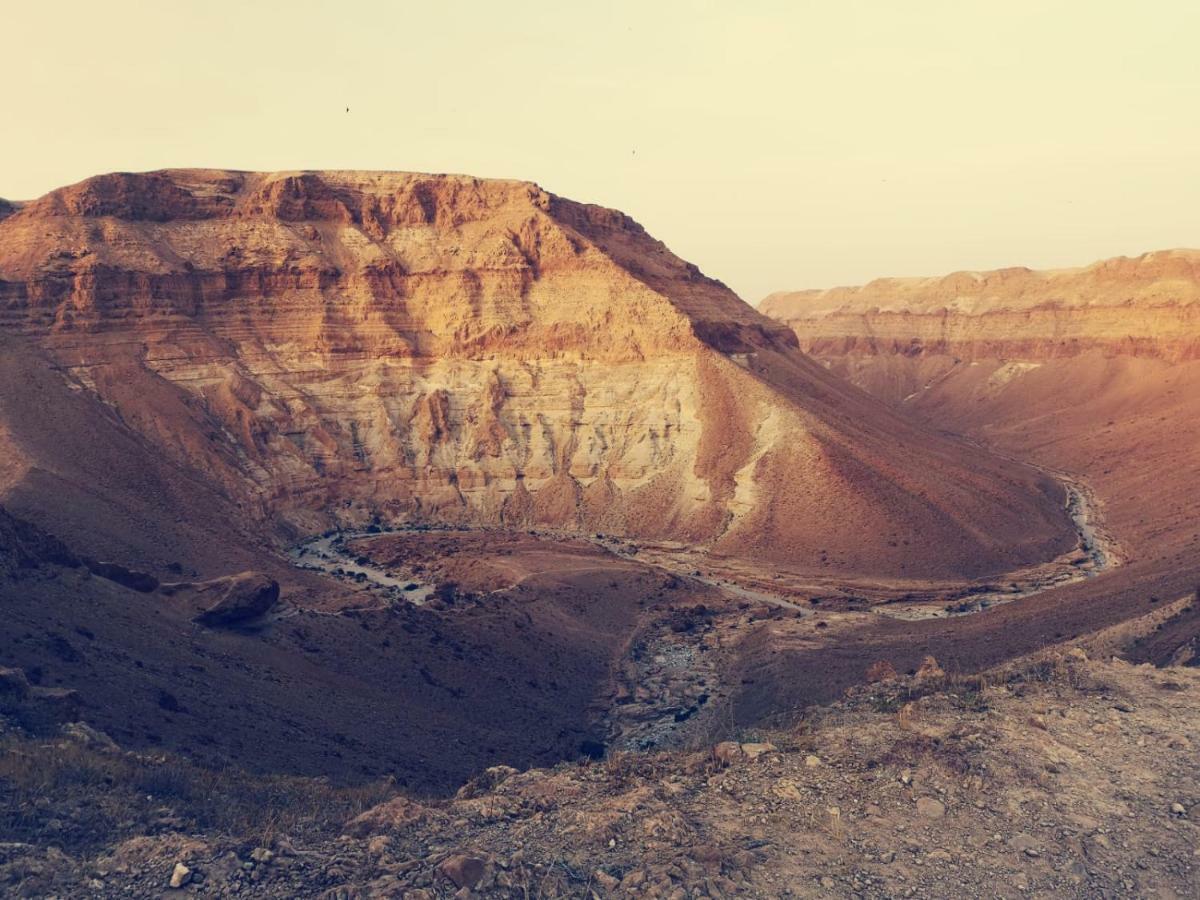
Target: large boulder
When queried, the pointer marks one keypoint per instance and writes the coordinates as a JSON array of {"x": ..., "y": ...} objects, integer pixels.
[
  {"x": 240, "y": 598},
  {"x": 14, "y": 689},
  {"x": 39, "y": 709}
]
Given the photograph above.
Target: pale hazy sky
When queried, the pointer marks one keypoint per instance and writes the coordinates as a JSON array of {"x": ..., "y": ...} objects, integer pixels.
[{"x": 775, "y": 144}]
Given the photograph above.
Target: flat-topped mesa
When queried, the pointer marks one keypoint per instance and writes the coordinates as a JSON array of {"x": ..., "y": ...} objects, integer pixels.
[
  {"x": 1147, "y": 305},
  {"x": 472, "y": 260},
  {"x": 333, "y": 346}
]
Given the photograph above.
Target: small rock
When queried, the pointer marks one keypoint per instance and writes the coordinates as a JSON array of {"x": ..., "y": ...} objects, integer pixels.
[
  {"x": 929, "y": 808},
  {"x": 929, "y": 669},
  {"x": 812, "y": 762},
  {"x": 462, "y": 869},
  {"x": 180, "y": 875},
  {"x": 727, "y": 752},
  {"x": 261, "y": 855},
  {"x": 82, "y": 733},
  {"x": 606, "y": 881},
  {"x": 633, "y": 879},
  {"x": 754, "y": 751},
  {"x": 1178, "y": 809}
]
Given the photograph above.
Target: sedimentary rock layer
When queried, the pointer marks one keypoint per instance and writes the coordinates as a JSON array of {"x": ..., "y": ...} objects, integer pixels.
[{"x": 1146, "y": 306}]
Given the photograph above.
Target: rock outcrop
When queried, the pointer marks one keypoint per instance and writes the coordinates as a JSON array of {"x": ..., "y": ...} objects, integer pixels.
[
  {"x": 24, "y": 546},
  {"x": 331, "y": 347},
  {"x": 39, "y": 709},
  {"x": 239, "y": 599}
]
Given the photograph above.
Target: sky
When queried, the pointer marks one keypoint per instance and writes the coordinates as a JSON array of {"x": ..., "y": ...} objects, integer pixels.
[{"x": 778, "y": 145}]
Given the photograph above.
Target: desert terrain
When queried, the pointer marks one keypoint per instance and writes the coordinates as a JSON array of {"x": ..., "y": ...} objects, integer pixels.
[{"x": 381, "y": 534}]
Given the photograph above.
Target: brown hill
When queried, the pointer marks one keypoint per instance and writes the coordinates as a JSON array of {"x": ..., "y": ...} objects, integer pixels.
[{"x": 305, "y": 348}]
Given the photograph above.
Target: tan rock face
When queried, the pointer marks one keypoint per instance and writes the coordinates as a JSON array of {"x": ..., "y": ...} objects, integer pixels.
[{"x": 337, "y": 346}]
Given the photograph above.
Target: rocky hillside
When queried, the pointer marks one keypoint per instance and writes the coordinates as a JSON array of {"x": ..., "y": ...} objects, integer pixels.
[
  {"x": 332, "y": 347},
  {"x": 1060, "y": 777}
]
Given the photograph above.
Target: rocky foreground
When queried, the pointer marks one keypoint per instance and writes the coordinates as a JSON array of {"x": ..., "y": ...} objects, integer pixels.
[{"x": 1058, "y": 776}]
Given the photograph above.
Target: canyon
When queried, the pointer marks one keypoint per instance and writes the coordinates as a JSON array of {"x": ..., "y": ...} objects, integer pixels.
[
  {"x": 328, "y": 348},
  {"x": 479, "y": 516}
]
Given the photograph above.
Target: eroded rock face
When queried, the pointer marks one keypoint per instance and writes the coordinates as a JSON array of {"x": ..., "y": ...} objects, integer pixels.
[{"x": 336, "y": 346}]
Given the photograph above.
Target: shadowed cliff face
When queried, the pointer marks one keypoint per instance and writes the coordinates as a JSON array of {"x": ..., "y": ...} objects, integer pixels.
[{"x": 321, "y": 347}]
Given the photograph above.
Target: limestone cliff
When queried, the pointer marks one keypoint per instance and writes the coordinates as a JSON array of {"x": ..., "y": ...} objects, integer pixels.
[
  {"x": 342, "y": 345},
  {"x": 1142, "y": 306}
]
